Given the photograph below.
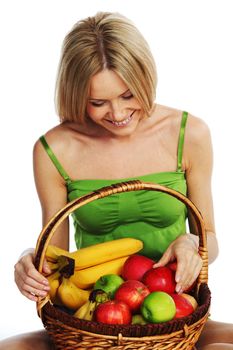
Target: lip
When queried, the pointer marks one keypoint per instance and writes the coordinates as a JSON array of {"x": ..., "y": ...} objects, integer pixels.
[{"x": 122, "y": 123}]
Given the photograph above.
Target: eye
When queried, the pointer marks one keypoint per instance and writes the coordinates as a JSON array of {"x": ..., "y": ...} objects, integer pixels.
[
  {"x": 97, "y": 103},
  {"x": 128, "y": 96}
]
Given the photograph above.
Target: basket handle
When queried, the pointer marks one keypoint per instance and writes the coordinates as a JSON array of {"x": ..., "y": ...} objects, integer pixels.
[{"x": 135, "y": 185}]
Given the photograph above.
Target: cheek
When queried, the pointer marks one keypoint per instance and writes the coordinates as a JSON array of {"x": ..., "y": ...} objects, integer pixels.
[
  {"x": 94, "y": 113},
  {"x": 134, "y": 105}
]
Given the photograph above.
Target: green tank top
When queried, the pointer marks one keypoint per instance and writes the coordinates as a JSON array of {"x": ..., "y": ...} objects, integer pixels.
[{"x": 153, "y": 217}]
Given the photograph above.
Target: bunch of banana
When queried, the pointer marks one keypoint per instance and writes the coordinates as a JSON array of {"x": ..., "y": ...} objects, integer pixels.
[
  {"x": 70, "y": 295},
  {"x": 97, "y": 253},
  {"x": 86, "y": 311},
  {"x": 86, "y": 278},
  {"x": 73, "y": 273},
  {"x": 53, "y": 252}
]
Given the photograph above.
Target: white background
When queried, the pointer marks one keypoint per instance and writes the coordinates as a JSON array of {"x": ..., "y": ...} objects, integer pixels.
[{"x": 192, "y": 45}]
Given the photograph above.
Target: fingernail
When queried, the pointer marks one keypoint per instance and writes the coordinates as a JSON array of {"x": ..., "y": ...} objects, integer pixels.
[
  {"x": 32, "y": 297},
  {"x": 46, "y": 282},
  {"x": 46, "y": 288},
  {"x": 43, "y": 294},
  {"x": 177, "y": 279},
  {"x": 178, "y": 289}
]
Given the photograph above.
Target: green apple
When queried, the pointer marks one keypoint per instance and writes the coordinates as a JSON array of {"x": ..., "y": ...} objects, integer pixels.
[
  {"x": 109, "y": 283},
  {"x": 158, "y": 307}
]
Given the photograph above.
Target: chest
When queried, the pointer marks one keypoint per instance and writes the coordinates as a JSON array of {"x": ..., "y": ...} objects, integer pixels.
[{"x": 103, "y": 159}]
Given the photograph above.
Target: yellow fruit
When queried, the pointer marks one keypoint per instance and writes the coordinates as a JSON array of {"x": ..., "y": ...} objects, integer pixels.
[
  {"x": 52, "y": 265},
  {"x": 87, "y": 277},
  {"x": 86, "y": 311},
  {"x": 70, "y": 295},
  {"x": 54, "y": 284},
  {"x": 53, "y": 252},
  {"x": 191, "y": 299},
  {"x": 97, "y": 253},
  {"x": 107, "y": 251}
]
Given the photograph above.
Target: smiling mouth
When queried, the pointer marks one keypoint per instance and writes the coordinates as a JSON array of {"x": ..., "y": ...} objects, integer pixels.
[{"x": 123, "y": 122}]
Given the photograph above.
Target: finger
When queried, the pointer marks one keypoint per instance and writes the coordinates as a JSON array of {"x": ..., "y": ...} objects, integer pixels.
[
  {"x": 32, "y": 287},
  {"x": 164, "y": 259},
  {"x": 30, "y": 296},
  {"x": 195, "y": 268},
  {"x": 187, "y": 273},
  {"x": 195, "y": 274},
  {"x": 20, "y": 283},
  {"x": 181, "y": 274},
  {"x": 31, "y": 281},
  {"x": 180, "y": 271},
  {"x": 25, "y": 268},
  {"x": 32, "y": 274},
  {"x": 46, "y": 268}
]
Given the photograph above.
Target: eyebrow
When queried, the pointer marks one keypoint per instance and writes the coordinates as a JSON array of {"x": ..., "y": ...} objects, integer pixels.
[{"x": 102, "y": 99}]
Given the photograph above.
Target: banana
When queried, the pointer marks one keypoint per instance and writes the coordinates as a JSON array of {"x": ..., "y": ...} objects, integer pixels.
[
  {"x": 70, "y": 295},
  {"x": 54, "y": 282},
  {"x": 53, "y": 266},
  {"x": 53, "y": 252},
  {"x": 86, "y": 311},
  {"x": 97, "y": 253},
  {"x": 87, "y": 277},
  {"x": 103, "y": 252}
]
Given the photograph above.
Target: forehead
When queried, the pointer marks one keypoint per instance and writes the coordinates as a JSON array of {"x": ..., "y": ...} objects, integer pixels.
[{"x": 106, "y": 85}]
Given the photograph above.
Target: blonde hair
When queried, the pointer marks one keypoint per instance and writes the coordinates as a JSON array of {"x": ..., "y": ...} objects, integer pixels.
[{"x": 104, "y": 41}]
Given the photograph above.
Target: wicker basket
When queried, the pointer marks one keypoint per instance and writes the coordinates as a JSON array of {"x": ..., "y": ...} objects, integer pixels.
[{"x": 68, "y": 332}]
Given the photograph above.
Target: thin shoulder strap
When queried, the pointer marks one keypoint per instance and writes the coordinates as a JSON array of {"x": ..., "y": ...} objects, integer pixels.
[
  {"x": 54, "y": 159},
  {"x": 181, "y": 141}
]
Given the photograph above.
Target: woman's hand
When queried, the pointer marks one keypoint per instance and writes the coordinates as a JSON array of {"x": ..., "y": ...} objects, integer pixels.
[
  {"x": 185, "y": 250},
  {"x": 29, "y": 281}
]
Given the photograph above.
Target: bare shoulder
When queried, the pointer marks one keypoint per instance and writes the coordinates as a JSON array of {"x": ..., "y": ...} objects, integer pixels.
[
  {"x": 55, "y": 137},
  {"x": 66, "y": 143},
  {"x": 197, "y": 145},
  {"x": 198, "y": 150},
  {"x": 197, "y": 131},
  {"x": 62, "y": 140},
  {"x": 170, "y": 117},
  {"x": 43, "y": 166}
]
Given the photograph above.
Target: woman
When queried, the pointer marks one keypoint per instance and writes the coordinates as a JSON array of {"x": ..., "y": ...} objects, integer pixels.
[{"x": 111, "y": 130}]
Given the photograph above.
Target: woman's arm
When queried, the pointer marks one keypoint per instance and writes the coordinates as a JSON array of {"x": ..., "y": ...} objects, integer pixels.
[
  {"x": 197, "y": 162},
  {"x": 198, "y": 176},
  {"x": 52, "y": 194}
]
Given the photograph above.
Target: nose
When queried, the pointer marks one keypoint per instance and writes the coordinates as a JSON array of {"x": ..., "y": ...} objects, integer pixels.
[{"x": 118, "y": 112}]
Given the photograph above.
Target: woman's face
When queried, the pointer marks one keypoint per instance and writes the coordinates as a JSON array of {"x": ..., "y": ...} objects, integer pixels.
[{"x": 111, "y": 104}]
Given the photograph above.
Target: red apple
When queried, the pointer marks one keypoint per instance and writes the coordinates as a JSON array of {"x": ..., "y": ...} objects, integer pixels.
[
  {"x": 113, "y": 312},
  {"x": 135, "y": 267},
  {"x": 172, "y": 265},
  {"x": 183, "y": 305},
  {"x": 132, "y": 293},
  {"x": 160, "y": 279}
]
